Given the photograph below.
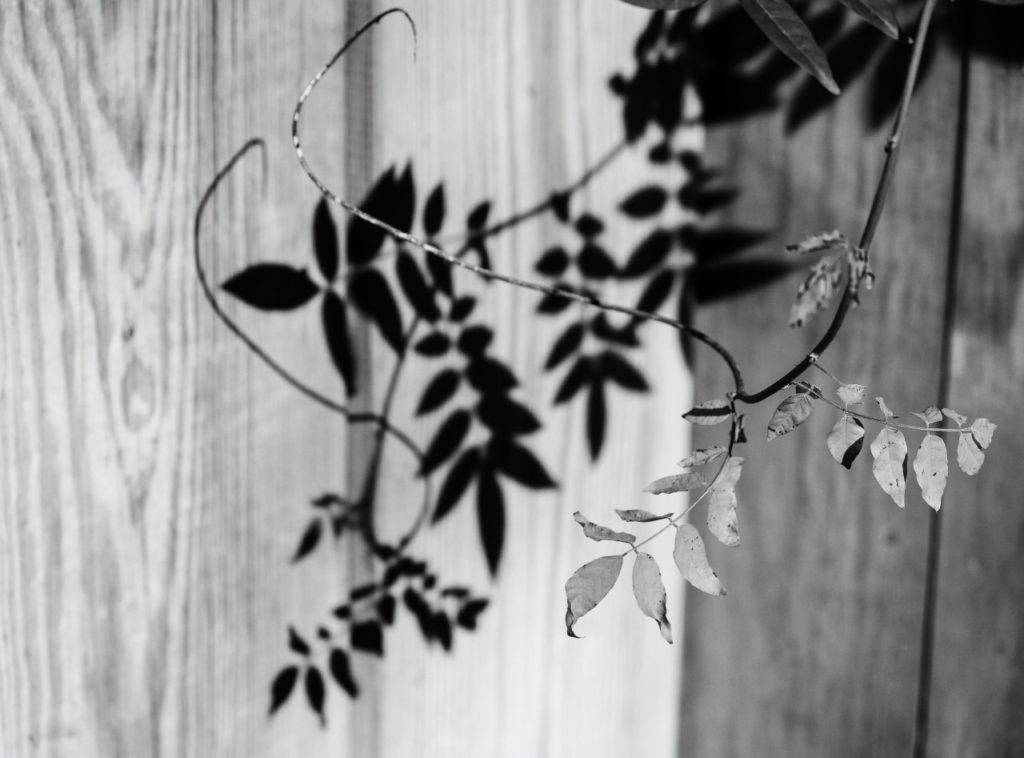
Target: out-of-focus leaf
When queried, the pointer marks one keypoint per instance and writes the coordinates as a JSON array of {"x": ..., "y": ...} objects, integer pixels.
[
  {"x": 596, "y": 417},
  {"x": 518, "y": 463},
  {"x": 931, "y": 469},
  {"x": 283, "y": 684},
  {"x": 691, "y": 559},
  {"x": 650, "y": 592},
  {"x": 325, "y": 240},
  {"x": 666, "y": 5},
  {"x": 589, "y": 226},
  {"x": 446, "y": 441},
  {"x": 846, "y": 440},
  {"x": 477, "y": 217},
  {"x": 553, "y": 263},
  {"x": 474, "y": 340},
  {"x": 490, "y": 512},
  {"x": 391, "y": 199},
  {"x": 577, "y": 377},
  {"x": 434, "y": 344},
  {"x": 675, "y": 483},
  {"x": 851, "y": 394},
  {"x": 622, "y": 372},
  {"x": 272, "y": 287},
  {"x": 702, "y": 456},
  {"x": 588, "y": 586},
  {"x": 309, "y": 540},
  {"x": 709, "y": 413},
  {"x": 296, "y": 643},
  {"x": 440, "y": 390},
  {"x": 433, "y": 211},
  {"x": 565, "y": 345},
  {"x": 315, "y": 691},
  {"x": 505, "y": 417},
  {"x": 983, "y": 429},
  {"x": 455, "y": 484},
  {"x": 657, "y": 291},
  {"x": 645, "y": 202},
  {"x": 648, "y": 254},
  {"x": 594, "y": 262},
  {"x": 889, "y": 449},
  {"x": 792, "y": 412},
  {"x": 414, "y": 285},
  {"x": 370, "y": 293},
  {"x": 731, "y": 280},
  {"x": 367, "y": 636},
  {"x": 637, "y": 514},
  {"x": 790, "y": 34},
  {"x": 968, "y": 454},
  {"x": 931, "y": 415},
  {"x": 600, "y": 533},
  {"x": 714, "y": 245},
  {"x": 816, "y": 291},
  {"x": 489, "y": 376},
  {"x": 342, "y": 672},
  {"x": 441, "y": 273},
  {"x": 462, "y": 308},
  {"x": 818, "y": 243},
  {"x": 884, "y": 408},
  {"x": 334, "y": 317},
  {"x": 878, "y": 13}
]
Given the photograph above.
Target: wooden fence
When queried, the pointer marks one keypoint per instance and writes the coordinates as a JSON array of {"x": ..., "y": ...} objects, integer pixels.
[{"x": 156, "y": 476}]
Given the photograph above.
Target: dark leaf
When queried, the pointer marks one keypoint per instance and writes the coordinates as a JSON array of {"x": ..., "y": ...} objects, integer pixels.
[
  {"x": 624, "y": 335},
  {"x": 325, "y": 240},
  {"x": 441, "y": 272},
  {"x": 272, "y": 287},
  {"x": 729, "y": 280},
  {"x": 660, "y": 153},
  {"x": 433, "y": 345},
  {"x": 657, "y": 291},
  {"x": 648, "y": 254},
  {"x": 553, "y": 262},
  {"x": 392, "y": 200},
  {"x": 878, "y": 13},
  {"x": 560, "y": 205},
  {"x": 518, "y": 463},
  {"x": 309, "y": 540},
  {"x": 443, "y": 630},
  {"x": 440, "y": 390},
  {"x": 578, "y": 375},
  {"x": 414, "y": 284},
  {"x": 552, "y": 303},
  {"x": 368, "y": 636},
  {"x": 363, "y": 591},
  {"x": 446, "y": 441},
  {"x": 342, "y": 672},
  {"x": 370, "y": 293},
  {"x": 386, "y": 609},
  {"x": 790, "y": 34},
  {"x": 645, "y": 202},
  {"x": 565, "y": 345},
  {"x": 456, "y": 592},
  {"x": 474, "y": 340},
  {"x": 478, "y": 216},
  {"x": 295, "y": 642},
  {"x": 421, "y": 610},
  {"x": 455, "y": 484},
  {"x": 589, "y": 226},
  {"x": 613, "y": 366},
  {"x": 334, "y": 316},
  {"x": 505, "y": 417},
  {"x": 315, "y": 691},
  {"x": 461, "y": 308},
  {"x": 469, "y": 612},
  {"x": 342, "y": 612},
  {"x": 490, "y": 510},
  {"x": 282, "y": 686},
  {"x": 433, "y": 211},
  {"x": 595, "y": 263},
  {"x": 490, "y": 376},
  {"x": 666, "y": 5},
  {"x": 713, "y": 245},
  {"x": 596, "y": 413},
  {"x": 696, "y": 197},
  {"x": 709, "y": 412}
]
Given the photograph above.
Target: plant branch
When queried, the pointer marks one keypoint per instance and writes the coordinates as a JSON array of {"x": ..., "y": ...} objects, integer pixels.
[{"x": 892, "y": 148}]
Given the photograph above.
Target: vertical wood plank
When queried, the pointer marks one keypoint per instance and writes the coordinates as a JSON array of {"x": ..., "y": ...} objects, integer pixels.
[
  {"x": 978, "y": 687},
  {"x": 815, "y": 649}
]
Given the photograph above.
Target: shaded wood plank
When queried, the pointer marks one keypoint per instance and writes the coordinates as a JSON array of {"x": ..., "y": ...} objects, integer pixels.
[
  {"x": 978, "y": 686},
  {"x": 815, "y": 649}
]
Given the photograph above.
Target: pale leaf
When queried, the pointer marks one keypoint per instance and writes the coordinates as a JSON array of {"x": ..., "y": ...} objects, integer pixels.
[
  {"x": 588, "y": 587},
  {"x": 931, "y": 469},
  {"x": 878, "y": 13},
  {"x": 675, "y": 483},
  {"x": 709, "y": 412},
  {"x": 968, "y": 455},
  {"x": 816, "y": 291},
  {"x": 884, "y": 408},
  {"x": 792, "y": 412},
  {"x": 889, "y": 450},
  {"x": 982, "y": 429},
  {"x": 729, "y": 476},
  {"x": 846, "y": 440},
  {"x": 851, "y": 394},
  {"x": 955, "y": 417},
  {"x": 817, "y": 243},
  {"x": 702, "y": 456},
  {"x": 692, "y": 560},
  {"x": 931, "y": 415},
  {"x": 600, "y": 533},
  {"x": 650, "y": 592},
  {"x": 790, "y": 34},
  {"x": 637, "y": 514},
  {"x": 723, "y": 522}
]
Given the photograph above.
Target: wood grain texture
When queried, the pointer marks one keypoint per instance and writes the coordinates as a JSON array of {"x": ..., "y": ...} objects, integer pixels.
[
  {"x": 155, "y": 477},
  {"x": 978, "y": 689},
  {"x": 816, "y": 651}
]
